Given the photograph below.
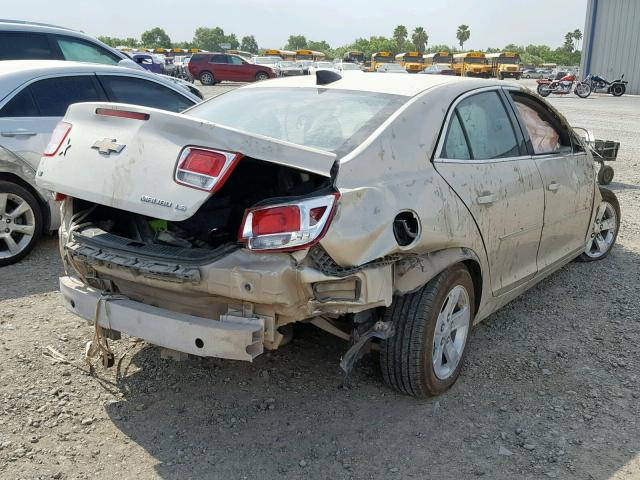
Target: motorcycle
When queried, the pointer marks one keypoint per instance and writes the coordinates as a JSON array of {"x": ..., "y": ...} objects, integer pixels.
[
  {"x": 563, "y": 86},
  {"x": 617, "y": 88}
]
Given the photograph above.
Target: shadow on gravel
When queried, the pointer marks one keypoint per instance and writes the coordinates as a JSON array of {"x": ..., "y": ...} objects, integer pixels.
[
  {"x": 37, "y": 273},
  {"x": 549, "y": 390}
]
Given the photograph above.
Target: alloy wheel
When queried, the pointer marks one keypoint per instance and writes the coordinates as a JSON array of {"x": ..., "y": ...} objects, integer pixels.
[
  {"x": 17, "y": 224},
  {"x": 603, "y": 232},
  {"x": 450, "y": 335}
]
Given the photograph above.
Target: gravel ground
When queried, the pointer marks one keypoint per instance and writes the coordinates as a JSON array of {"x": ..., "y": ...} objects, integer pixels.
[{"x": 550, "y": 387}]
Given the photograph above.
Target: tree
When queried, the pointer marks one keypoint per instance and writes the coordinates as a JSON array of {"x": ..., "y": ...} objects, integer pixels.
[
  {"x": 155, "y": 38},
  {"x": 568, "y": 42},
  {"x": 462, "y": 34},
  {"x": 296, "y": 42},
  {"x": 419, "y": 38},
  {"x": 209, "y": 38},
  {"x": 400, "y": 34},
  {"x": 577, "y": 35},
  {"x": 320, "y": 46},
  {"x": 120, "y": 42},
  {"x": 249, "y": 44}
]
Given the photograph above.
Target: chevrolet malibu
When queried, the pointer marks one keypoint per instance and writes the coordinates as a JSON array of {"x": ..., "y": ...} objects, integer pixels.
[{"x": 394, "y": 209}]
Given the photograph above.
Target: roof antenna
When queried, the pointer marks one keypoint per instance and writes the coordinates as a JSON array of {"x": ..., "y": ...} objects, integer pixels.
[{"x": 324, "y": 77}]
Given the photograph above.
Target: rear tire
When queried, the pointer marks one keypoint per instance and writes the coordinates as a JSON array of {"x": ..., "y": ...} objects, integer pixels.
[
  {"x": 543, "y": 90},
  {"x": 18, "y": 232},
  {"x": 207, "y": 78},
  {"x": 432, "y": 326},
  {"x": 605, "y": 175},
  {"x": 618, "y": 90},
  {"x": 605, "y": 229}
]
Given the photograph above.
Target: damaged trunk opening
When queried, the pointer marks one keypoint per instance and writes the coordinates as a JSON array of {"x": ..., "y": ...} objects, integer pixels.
[{"x": 214, "y": 227}]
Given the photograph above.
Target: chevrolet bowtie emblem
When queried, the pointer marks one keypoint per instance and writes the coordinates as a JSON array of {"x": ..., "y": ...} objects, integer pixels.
[{"x": 108, "y": 145}]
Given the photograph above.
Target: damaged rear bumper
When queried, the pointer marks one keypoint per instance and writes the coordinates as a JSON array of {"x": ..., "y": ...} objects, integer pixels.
[{"x": 232, "y": 337}]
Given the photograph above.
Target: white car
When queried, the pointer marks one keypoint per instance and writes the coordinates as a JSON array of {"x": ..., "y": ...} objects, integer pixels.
[
  {"x": 315, "y": 66},
  {"x": 347, "y": 67},
  {"x": 391, "y": 68},
  {"x": 34, "y": 96},
  {"x": 401, "y": 209}
]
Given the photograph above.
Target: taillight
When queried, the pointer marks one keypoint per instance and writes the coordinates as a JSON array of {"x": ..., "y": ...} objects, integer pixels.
[
  {"x": 289, "y": 226},
  {"x": 59, "y": 135},
  {"x": 205, "y": 169}
]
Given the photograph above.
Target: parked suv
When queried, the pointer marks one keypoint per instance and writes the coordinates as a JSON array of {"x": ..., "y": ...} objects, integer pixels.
[{"x": 212, "y": 68}]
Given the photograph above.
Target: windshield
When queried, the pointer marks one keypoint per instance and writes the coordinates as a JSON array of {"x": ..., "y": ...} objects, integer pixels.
[
  {"x": 329, "y": 119},
  {"x": 381, "y": 59},
  {"x": 475, "y": 60},
  {"x": 324, "y": 65},
  {"x": 409, "y": 59},
  {"x": 349, "y": 66},
  {"x": 510, "y": 60},
  {"x": 267, "y": 60},
  {"x": 306, "y": 63},
  {"x": 287, "y": 65}
]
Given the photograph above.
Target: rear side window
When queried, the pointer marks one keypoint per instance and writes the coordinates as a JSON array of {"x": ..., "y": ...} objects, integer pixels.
[
  {"x": 218, "y": 59},
  {"x": 25, "y": 46},
  {"x": 487, "y": 126},
  {"x": 81, "y": 51},
  {"x": 138, "y": 91},
  {"x": 21, "y": 105},
  {"x": 54, "y": 95},
  {"x": 455, "y": 146}
]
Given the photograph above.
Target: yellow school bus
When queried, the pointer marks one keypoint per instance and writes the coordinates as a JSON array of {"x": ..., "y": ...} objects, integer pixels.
[
  {"x": 380, "y": 58},
  {"x": 471, "y": 64},
  {"x": 438, "y": 58},
  {"x": 353, "y": 56},
  {"x": 283, "y": 54},
  {"x": 412, "y": 62},
  {"x": 309, "y": 55},
  {"x": 504, "y": 64}
]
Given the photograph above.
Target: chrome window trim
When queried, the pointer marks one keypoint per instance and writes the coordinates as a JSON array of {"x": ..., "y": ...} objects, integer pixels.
[{"x": 438, "y": 159}]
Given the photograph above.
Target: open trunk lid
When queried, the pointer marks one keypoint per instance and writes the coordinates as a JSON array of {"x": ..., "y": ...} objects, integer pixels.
[{"x": 140, "y": 177}]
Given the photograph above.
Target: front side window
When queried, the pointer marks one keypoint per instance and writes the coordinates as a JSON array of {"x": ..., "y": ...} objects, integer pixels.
[
  {"x": 25, "y": 46},
  {"x": 54, "y": 95},
  {"x": 138, "y": 91},
  {"x": 235, "y": 60},
  {"x": 80, "y": 51},
  {"x": 545, "y": 130},
  {"x": 488, "y": 127}
]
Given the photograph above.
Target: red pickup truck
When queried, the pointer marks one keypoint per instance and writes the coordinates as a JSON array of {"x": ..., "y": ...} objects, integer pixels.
[{"x": 212, "y": 68}]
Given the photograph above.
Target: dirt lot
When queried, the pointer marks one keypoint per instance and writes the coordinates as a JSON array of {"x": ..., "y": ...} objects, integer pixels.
[{"x": 550, "y": 387}]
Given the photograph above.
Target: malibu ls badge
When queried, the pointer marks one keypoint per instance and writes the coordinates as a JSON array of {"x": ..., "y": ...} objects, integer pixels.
[{"x": 162, "y": 203}]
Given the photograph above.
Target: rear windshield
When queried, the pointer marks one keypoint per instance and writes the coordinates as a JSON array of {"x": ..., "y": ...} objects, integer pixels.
[{"x": 328, "y": 119}]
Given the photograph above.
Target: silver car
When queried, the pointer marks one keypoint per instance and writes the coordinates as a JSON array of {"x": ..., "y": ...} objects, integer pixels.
[
  {"x": 395, "y": 209},
  {"x": 34, "y": 96}
]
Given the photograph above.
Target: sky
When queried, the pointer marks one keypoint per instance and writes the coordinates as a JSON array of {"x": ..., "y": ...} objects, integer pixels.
[{"x": 493, "y": 23}]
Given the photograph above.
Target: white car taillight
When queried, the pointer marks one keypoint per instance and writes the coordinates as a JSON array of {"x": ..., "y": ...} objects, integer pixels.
[
  {"x": 288, "y": 226},
  {"x": 59, "y": 135},
  {"x": 205, "y": 169}
]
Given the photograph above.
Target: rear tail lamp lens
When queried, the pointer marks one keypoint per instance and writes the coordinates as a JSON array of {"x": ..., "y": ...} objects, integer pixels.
[
  {"x": 59, "y": 135},
  {"x": 205, "y": 169},
  {"x": 287, "y": 227}
]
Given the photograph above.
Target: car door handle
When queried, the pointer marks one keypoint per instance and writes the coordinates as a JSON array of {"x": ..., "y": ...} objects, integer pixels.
[
  {"x": 18, "y": 133},
  {"x": 553, "y": 186},
  {"x": 486, "y": 199}
]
